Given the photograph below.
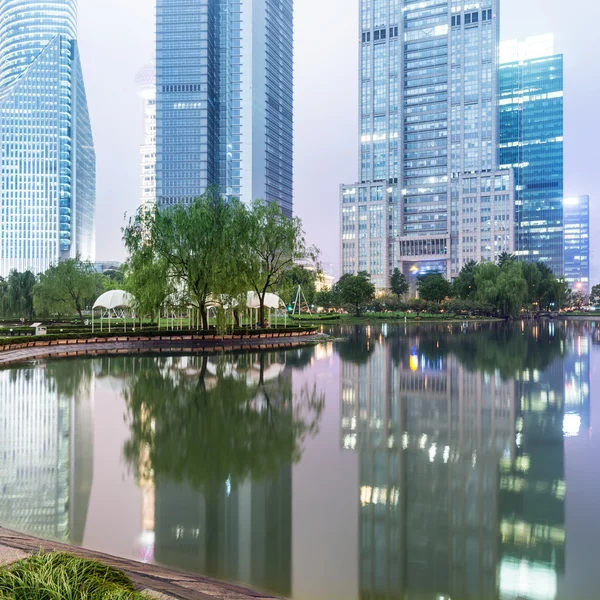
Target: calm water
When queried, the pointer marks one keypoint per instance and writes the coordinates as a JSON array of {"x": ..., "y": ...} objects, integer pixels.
[{"x": 423, "y": 463}]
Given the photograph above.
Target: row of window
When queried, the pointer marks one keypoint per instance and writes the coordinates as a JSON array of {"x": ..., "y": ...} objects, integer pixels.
[
  {"x": 380, "y": 34},
  {"x": 470, "y": 18}
]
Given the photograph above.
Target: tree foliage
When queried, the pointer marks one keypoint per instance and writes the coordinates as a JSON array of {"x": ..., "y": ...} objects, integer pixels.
[
  {"x": 69, "y": 287},
  {"x": 434, "y": 287},
  {"x": 355, "y": 291},
  {"x": 273, "y": 242},
  {"x": 398, "y": 284},
  {"x": 464, "y": 285}
]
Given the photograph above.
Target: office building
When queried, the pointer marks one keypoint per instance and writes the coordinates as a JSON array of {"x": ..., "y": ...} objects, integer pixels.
[
  {"x": 146, "y": 83},
  {"x": 531, "y": 143},
  {"x": 428, "y": 119},
  {"x": 576, "y": 223},
  {"x": 48, "y": 162},
  {"x": 224, "y": 74}
]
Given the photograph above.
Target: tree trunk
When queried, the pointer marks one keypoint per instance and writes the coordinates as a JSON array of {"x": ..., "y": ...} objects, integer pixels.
[
  {"x": 79, "y": 311},
  {"x": 261, "y": 314},
  {"x": 205, "y": 324}
]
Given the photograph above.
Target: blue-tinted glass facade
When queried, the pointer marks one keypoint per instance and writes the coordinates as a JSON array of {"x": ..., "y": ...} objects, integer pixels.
[
  {"x": 48, "y": 162},
  {"x": 224, "y": 71},
  {"x": 531, "y": 142},
  {"x": 576, "y": 222}
]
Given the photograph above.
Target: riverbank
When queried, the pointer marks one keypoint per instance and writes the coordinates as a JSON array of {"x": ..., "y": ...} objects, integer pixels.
[
  {"x": 155, "y": 581},
  {"x": 168, "y": 344}
]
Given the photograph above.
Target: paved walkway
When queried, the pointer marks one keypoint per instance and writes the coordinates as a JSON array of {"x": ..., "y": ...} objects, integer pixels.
[
  {"x": 157, "y": 582},
  {"x": 153, "y": 346}
]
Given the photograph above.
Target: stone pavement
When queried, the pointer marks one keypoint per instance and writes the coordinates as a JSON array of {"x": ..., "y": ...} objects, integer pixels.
[{"x": 157, "y": 582}]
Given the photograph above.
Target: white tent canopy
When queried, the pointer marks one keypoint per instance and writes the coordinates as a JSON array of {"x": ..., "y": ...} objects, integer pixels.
[
  {"x": 271, "y": 300},
  {"x": 112, "y": 305},
  {"x": 115, "y": 299}
]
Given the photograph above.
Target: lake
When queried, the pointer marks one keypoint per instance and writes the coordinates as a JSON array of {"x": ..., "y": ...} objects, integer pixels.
[{"x": 430, "y": 462}]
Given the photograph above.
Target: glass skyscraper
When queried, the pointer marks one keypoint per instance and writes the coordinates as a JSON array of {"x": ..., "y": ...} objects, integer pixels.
[
  {"x": 531, "y": 142},
  {"x": 224, "y": 71},
  {"x": 48, "y": 177},
  {"x": 576, "y": 217},
  {"x": 428, "y": 120}
]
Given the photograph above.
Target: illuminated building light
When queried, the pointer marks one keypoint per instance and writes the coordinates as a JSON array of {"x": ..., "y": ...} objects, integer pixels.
[{"x": 571, "y": 424}]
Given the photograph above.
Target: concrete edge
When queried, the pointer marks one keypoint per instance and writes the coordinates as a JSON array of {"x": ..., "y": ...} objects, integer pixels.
[
  {"x": 12, "y": 357},
  {"x": 161, "y": 582}
]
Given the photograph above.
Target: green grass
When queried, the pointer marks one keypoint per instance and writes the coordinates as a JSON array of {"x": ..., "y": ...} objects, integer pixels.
[{"x": 60, "y": 576}]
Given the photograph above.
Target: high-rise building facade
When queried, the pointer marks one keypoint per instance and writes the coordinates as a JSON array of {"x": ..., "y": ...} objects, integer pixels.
[
  {"x": 146, "y": 82},
  {"x": 48, "y": 162},
  {"x": 224, "y": 75},
  {"x": 576, "y": 223},
  {"x": 531, "y": 143},
  {"x": 428, "y": 118}
]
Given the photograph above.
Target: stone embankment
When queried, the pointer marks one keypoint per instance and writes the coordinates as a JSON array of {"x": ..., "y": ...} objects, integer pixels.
[{"x": 139, "y": 344}]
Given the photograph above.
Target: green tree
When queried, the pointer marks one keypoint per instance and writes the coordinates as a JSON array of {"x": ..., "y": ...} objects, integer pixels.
[
  {"x": 356, "y": 291},
  {"x": 398, "y": 284},
  {"x": 595, "y": 294},
  {"x": 506, "y": 258},
  {"x": 199, "y": 246},
  {"x": 66, "y": 288},
  {"x": 464, "y": 285},
  {"x": 296, "y": 276},
  {"x": 273, "y": 242},
  {"x": 504, "y": 288},
  {"x": 325, "y": 299},
  {"x": 19, "y": 294},
  {"x": 559, "y": 292},
  {"x": 146, "y": 278},
  {"x": 434, "y": 287}
]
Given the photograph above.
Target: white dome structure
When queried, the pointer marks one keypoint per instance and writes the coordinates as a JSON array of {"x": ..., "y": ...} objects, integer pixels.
[{"x": 114, "y": 299}]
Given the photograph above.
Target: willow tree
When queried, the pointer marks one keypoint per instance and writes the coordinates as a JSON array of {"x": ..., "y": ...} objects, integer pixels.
[
  {"x": 273, "y": 244},
  {"x": 194, "y": 246}
]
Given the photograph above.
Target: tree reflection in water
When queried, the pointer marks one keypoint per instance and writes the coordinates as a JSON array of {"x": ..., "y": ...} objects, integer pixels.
[{"x": 206, "y": 420}]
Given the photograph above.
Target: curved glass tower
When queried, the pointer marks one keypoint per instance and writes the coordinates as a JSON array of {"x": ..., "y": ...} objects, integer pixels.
[
  {"x": 47, "y": 157},
  {"x": 27, "y": 27}
]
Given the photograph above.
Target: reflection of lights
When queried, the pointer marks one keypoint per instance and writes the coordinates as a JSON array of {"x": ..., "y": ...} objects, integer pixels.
[
  {"x": 571, "y": 424},
  {"x": 414, "y": 362},
  {"x": 423, "y": 441},
  {"x": 405, "y": 441},
  {"x": 519, "y": 438},
  {"x": 446, "y": 453},
  {"x": 530, "y": 580},
  {"x": 228, "y": 486},
  {"x": 432, "y": 452}
]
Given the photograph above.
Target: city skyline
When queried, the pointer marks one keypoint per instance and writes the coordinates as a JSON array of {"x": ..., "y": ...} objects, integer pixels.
[{"x": 325, "y": 137}]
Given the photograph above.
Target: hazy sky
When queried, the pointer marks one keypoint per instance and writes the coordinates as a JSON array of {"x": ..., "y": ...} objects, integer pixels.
[{"x": 116, "y": 39}]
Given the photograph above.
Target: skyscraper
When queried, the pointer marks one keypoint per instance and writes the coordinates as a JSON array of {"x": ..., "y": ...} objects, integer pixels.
[
  {"x": 428, "y": 120},
  {"x": 224, "y": 71},
  {"x": 531, "y": 142},
  {"x": 48, "y": 162},
  {"x": 576, "y": 222},
  {"x": 146, "y": 82}
]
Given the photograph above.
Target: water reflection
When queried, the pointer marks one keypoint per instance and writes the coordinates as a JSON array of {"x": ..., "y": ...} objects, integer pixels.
[
  {"x": 458, "y": 434},
  {"x": 460, "y": 442},
  {"x": 46, "y": 445}
]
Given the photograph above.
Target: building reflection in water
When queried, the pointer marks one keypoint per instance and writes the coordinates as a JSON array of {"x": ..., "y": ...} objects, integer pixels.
[
  {"x": 46, "y": 433},
  {"x": 218, "y": 437},
  {"x": 461, "y": 457}
]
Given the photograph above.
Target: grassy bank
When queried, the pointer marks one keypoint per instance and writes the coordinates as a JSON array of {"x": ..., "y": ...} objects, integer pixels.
[
  {"x": 398, "y": 317},
  {"x": 58, "y": 575}
]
